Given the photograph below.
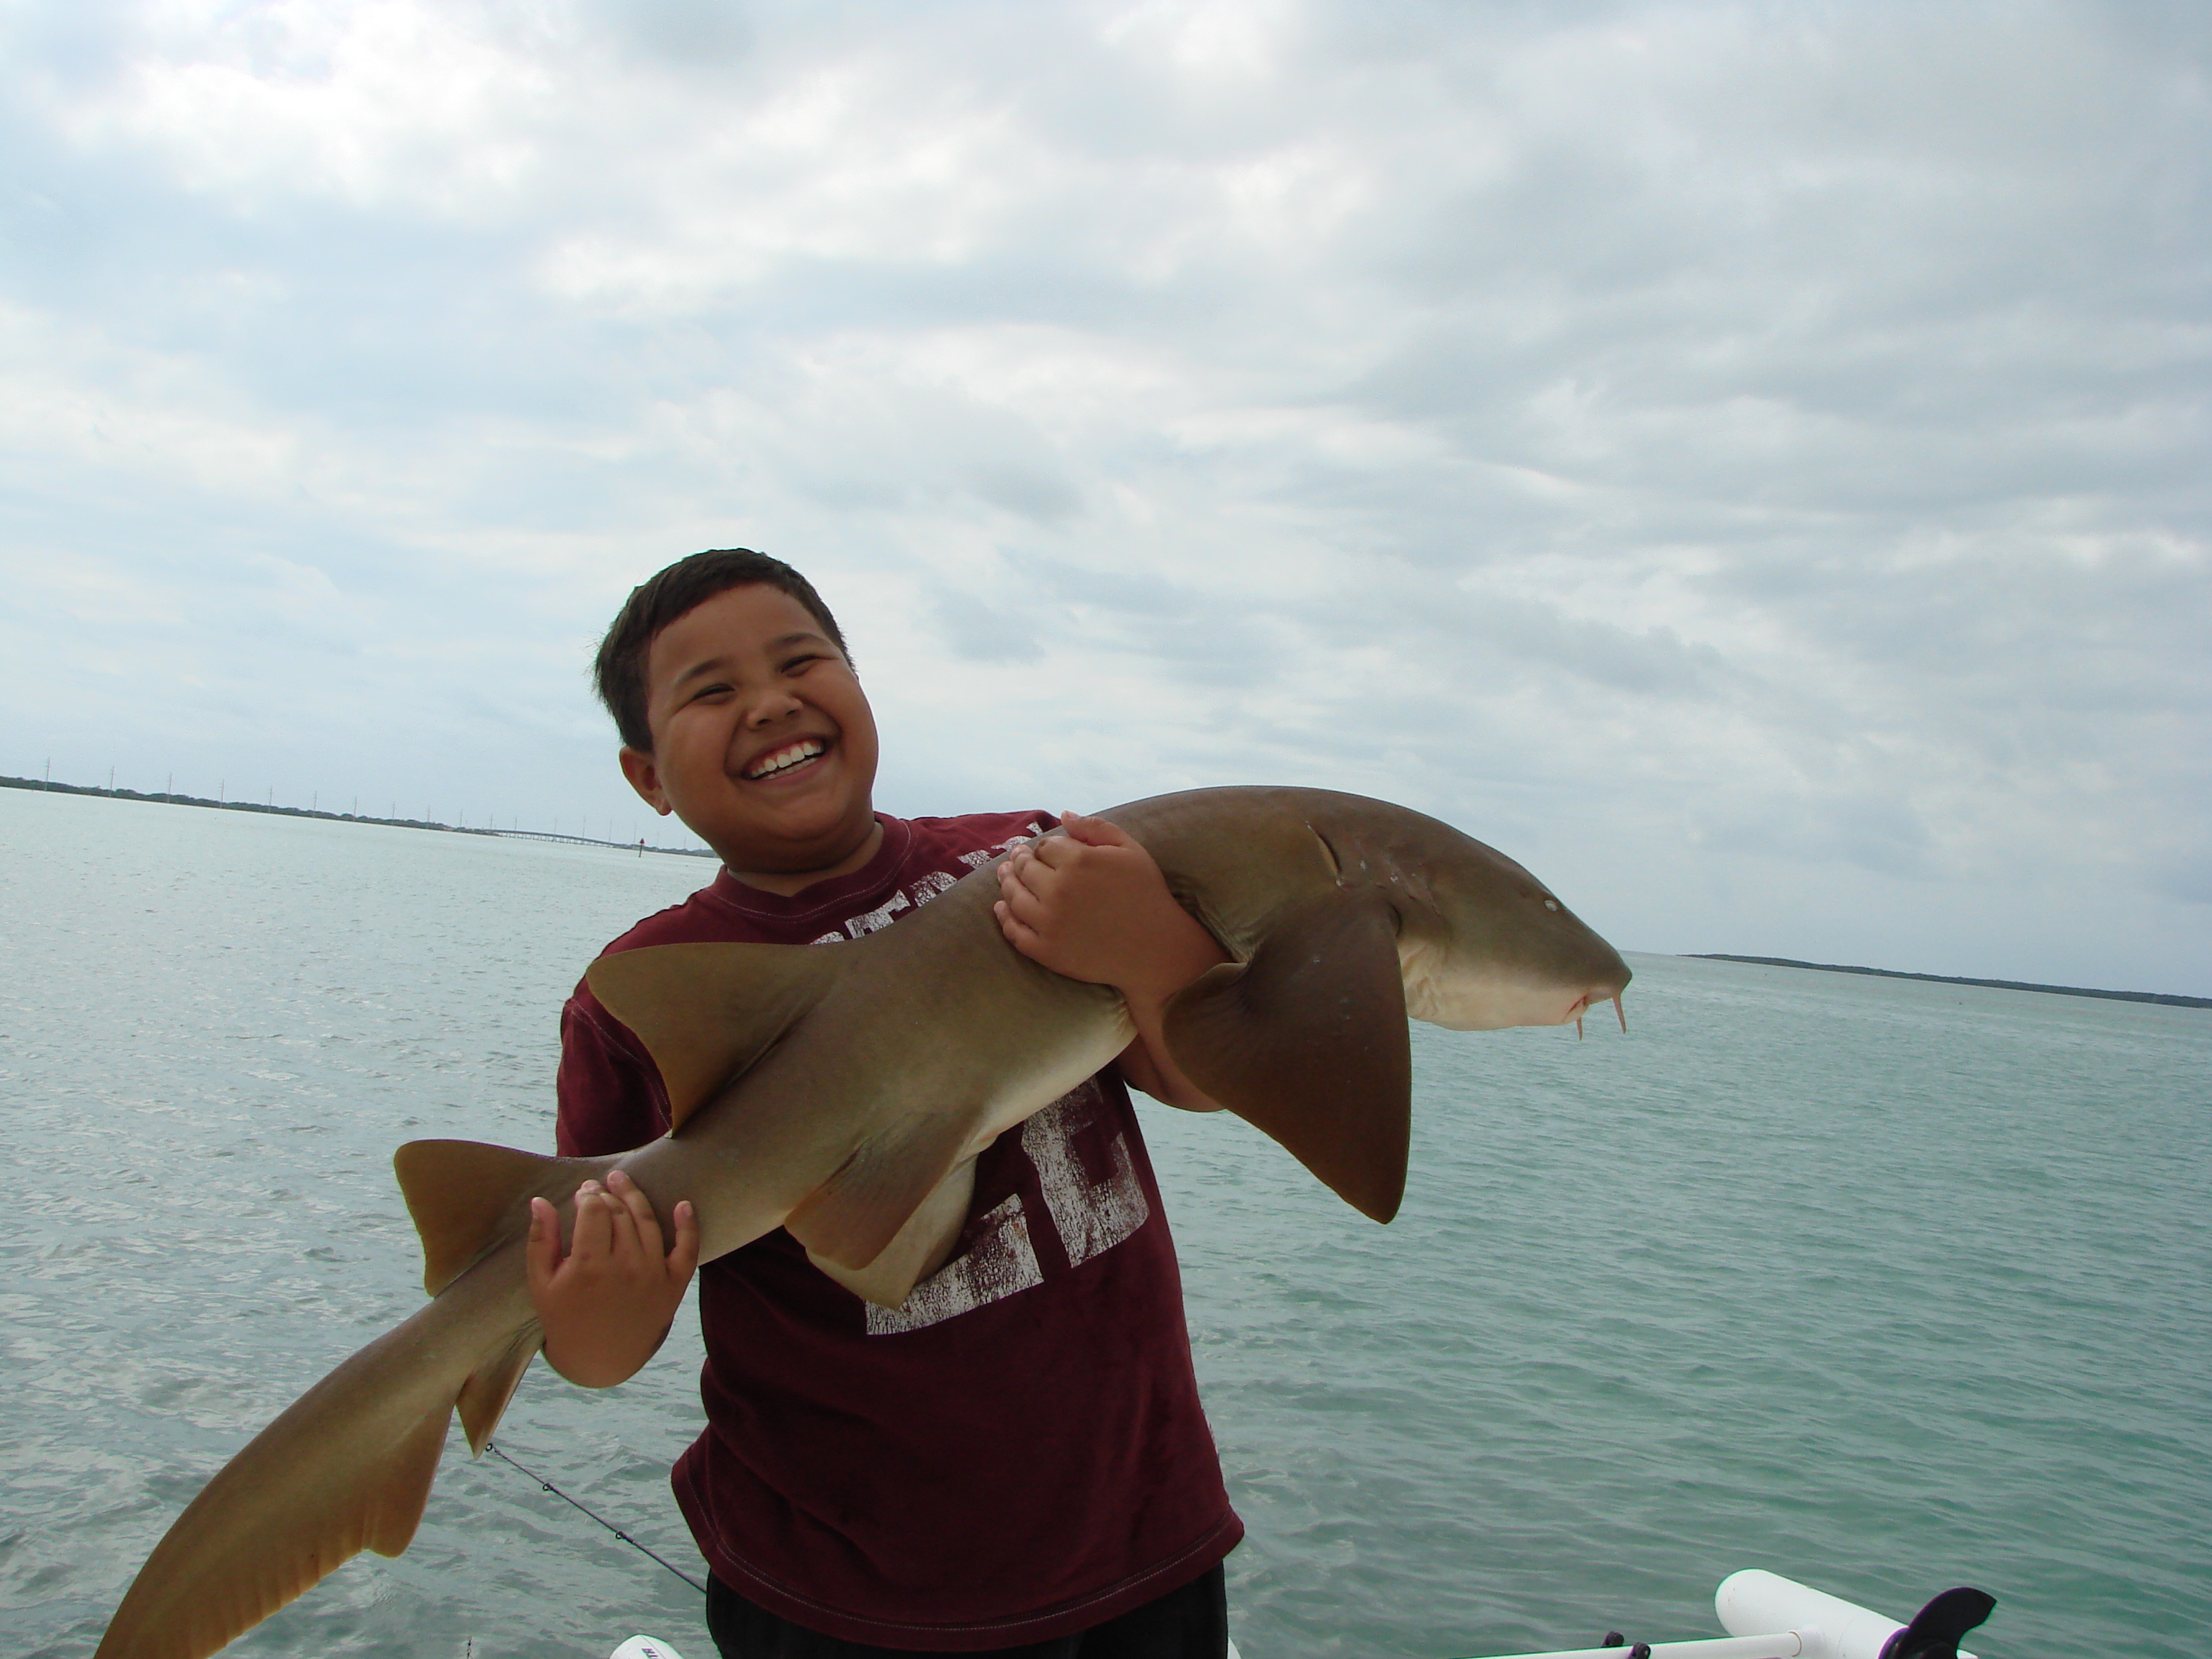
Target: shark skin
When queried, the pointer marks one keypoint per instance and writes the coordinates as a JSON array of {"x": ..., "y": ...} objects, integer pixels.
[{"x": 844, "y": 1092}]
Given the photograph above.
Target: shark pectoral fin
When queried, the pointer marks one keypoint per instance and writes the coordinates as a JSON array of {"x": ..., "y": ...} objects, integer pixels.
[
  {"x": 706, "y": 1012},
  {"x": 1307, "y": 1042},
  {"x": 850, "y": 1218},
  {"x": 923, "y": 1245},
  {"x": 461, "y": 1193}
]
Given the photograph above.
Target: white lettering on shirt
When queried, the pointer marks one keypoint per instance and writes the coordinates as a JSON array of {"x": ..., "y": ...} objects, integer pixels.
[
  {"x": 1092, "y": 1215},
  {"x": 930, "y": 883},
  {"x": 869, "y": 921}
]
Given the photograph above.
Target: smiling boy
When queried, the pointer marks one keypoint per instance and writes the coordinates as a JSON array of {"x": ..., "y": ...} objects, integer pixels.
[{"x": 1015, "y": 1460}]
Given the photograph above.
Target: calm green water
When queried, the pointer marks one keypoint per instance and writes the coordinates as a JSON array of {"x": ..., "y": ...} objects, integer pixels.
[{"x": 1882, "y": 1285}]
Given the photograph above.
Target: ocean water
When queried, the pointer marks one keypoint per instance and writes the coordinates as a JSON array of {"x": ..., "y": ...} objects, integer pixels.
[{"x": 1883, "y": 1285}]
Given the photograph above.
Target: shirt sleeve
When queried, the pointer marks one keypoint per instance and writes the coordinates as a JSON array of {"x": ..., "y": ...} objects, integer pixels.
[{"x": 611, "y": 1099}]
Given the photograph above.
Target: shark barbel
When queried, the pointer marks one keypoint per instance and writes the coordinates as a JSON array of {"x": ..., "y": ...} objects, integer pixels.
[{"x": 844, "y": 1092}]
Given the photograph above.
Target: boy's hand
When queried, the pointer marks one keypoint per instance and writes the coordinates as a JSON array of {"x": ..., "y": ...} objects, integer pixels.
[
  {"x": 1092, "y": 905},
  {"x": 607, "y": 1305}
]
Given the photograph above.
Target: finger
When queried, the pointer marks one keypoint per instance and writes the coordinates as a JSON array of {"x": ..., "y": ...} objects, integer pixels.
[
  {"x": 1026, "y": 906},
  {"x": 684, "y": 1258},
  {"x": 1024, "y": 938},
  {"x": 1093, "y": 832},
  {"x": 588, "y": 1239},
  {"x": 641, "y": 1214},
  {"x": 541, "y": 1254},
  {"x": 622, "y": 1232},
  {"x": 1057, "y": 851}
]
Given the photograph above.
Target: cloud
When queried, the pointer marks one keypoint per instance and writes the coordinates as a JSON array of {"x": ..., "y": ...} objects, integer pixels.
[{"x": 1752, "y": 453}]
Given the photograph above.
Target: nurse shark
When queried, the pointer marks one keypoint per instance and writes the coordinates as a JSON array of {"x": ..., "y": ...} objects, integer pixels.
[{"x": 843, "y": 1093}]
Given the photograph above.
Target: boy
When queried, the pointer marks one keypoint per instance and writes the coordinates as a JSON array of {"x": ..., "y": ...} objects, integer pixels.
[{"x": 1015, "y": 1460}]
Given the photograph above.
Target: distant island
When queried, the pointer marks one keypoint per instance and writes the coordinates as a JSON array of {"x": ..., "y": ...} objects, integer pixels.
[
  {"x": 342, "y": 818},
  {"x": 1953, "y": 979}
]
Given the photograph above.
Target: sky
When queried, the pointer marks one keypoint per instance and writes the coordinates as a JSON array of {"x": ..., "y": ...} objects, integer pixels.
[{"x": 1749, "y": 462}]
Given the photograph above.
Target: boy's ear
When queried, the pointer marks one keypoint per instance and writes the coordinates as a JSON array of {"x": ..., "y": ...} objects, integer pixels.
[{"x": 637, "y": 765}]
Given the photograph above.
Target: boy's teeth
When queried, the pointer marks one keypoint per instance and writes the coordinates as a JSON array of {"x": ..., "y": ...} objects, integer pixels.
[{"x": 784, "y": 759}]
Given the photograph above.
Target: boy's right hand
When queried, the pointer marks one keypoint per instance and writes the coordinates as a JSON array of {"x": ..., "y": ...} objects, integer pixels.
[{"x": 607, "y": 1305}]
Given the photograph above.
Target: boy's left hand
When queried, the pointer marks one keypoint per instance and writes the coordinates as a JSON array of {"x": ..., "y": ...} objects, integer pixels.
[
  {"x": 1092, "y": 905},
  {"x": 605, "y": 1303}
]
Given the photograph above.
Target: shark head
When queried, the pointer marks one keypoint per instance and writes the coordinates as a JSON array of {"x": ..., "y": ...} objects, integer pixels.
[{"x": 1482, "y": 943}]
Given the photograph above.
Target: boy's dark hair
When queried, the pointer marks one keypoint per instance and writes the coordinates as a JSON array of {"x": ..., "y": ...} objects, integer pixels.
[{"x": 619, "y": 672}]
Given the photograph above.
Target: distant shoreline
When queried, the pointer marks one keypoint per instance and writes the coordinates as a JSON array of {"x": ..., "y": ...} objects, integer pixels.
[
  {"x": 2161, "y": 997},
  {"x": 43, "y": 787}
]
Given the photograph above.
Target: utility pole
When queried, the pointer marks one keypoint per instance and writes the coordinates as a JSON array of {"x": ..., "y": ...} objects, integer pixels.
[
  {"x": 111, "y": 779},
  {"x": 170, "y": 793},
  {"x": 49, "y": 783}
]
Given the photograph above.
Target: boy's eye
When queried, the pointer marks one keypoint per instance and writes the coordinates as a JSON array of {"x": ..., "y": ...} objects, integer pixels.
[{"x": 801, "y": 662}]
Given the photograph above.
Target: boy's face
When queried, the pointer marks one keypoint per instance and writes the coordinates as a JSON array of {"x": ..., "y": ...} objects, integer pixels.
[{"x": 762, "y": 742}]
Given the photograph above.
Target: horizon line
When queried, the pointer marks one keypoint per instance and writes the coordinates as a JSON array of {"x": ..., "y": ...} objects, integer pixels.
[
  {"x": 46, "y": 786},
  {"x": 2169, "y": 998}
]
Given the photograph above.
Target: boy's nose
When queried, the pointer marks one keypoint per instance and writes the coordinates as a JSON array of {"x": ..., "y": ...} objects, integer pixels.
[{"x": 771, "y": 707}]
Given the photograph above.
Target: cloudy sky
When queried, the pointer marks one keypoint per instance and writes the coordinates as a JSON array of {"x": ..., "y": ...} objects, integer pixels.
[{"x": 1747, "y": 461}]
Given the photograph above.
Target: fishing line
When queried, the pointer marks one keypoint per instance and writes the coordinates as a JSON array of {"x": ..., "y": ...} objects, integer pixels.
[{"x": 601, "y": 1519}]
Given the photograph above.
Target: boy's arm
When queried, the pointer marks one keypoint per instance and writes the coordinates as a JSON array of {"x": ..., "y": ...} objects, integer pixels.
[
  {"x": 1092, "y": 905},
  {"x": 606, "y": 1303}
]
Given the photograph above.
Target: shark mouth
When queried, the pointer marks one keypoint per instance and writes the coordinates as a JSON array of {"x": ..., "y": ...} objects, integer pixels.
[{"x": 792, "y": 755}]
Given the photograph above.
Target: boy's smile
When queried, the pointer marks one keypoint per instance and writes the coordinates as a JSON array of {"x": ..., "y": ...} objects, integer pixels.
[{"x": 762, "y": 740}]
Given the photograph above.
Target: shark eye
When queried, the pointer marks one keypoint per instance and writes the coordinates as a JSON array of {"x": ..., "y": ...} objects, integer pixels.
[{"x": 1550, "y": 904}]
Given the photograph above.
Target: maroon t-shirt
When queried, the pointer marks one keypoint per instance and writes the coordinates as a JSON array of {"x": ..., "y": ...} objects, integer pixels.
[{"x": 1018, "y": 1452}]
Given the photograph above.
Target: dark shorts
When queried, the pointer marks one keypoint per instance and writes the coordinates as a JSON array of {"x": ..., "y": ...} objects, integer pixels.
[{"x": 1190, "y": 1623}]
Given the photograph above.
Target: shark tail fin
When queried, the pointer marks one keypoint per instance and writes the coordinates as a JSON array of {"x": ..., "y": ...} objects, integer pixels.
[
  {"x": 347, "y": 1467},
  {"x": 1307, "y": 1042},
  {"x": 705, "y": 1012}
]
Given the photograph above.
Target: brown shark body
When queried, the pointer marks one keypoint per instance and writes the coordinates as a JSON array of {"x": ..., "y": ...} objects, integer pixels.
[{"x": 844, "y": 1092}]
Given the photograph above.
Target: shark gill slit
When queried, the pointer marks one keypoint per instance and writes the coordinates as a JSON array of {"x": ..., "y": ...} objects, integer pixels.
[{"x": 1327, "y": 852}]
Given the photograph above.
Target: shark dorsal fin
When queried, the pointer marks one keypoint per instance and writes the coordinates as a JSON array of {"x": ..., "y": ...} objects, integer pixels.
[
  {"x": 705, "y": 1012},
  {"x": 1307, "y": 1042}
]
